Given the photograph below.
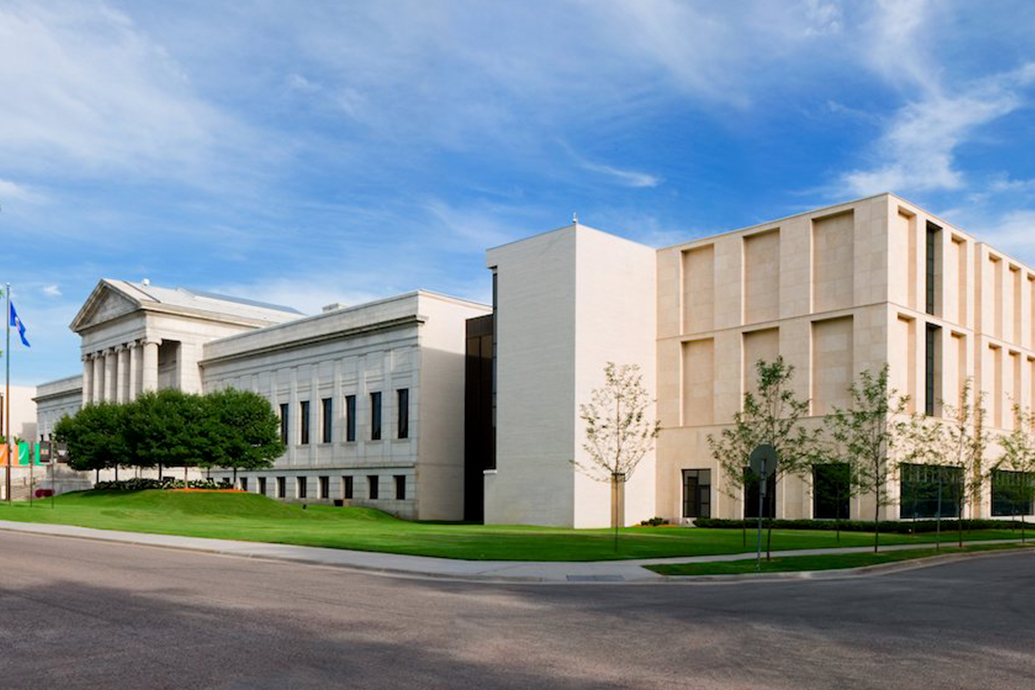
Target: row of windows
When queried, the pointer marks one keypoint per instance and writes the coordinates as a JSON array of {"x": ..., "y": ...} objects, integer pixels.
[
  {"x": 402, "y": 425},
  {"x": 925, "y": 491},
  {"x": 323, "y": 487}
]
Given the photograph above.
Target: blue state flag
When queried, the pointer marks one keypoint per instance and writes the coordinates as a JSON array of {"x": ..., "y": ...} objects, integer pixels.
[{"x": 17, "y": 323}]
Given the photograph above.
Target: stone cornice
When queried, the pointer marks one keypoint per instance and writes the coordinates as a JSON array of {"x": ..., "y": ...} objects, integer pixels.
[{"x": 391, "y": 324}]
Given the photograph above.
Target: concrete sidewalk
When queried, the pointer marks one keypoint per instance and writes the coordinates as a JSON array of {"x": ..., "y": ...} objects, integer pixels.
[{"x": 537, "y": 571}]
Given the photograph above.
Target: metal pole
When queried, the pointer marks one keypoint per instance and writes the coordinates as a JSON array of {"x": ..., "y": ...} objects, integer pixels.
[
  {"x": 7, "y": 395},
  {"x": 761, "y": 502}
]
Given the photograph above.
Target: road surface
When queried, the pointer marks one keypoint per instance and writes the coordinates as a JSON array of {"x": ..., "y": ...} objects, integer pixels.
[{"x": 84, "y": 614}]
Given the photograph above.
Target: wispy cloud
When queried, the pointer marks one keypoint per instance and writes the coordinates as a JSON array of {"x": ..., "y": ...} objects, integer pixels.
[
  {"x": 630, "y": 178},
  {"x": 917, "y": 149},
  {"x": 17, "y": 192}
]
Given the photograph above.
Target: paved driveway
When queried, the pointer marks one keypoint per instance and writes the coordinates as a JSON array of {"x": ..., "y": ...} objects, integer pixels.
[{"x": 83, "y": 614}]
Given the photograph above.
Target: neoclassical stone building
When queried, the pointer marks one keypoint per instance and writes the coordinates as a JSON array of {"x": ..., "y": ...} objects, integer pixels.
[{"x": 370, "y": 396}]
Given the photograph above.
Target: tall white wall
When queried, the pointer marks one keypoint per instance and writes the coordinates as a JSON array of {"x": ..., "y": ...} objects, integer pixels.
[
  {"x": 569, "y": 302},
  {"x": 615, "y": 321}
]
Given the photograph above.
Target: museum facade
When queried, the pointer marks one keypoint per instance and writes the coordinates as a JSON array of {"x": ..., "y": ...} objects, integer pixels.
[{"x": 435, "y": 407}]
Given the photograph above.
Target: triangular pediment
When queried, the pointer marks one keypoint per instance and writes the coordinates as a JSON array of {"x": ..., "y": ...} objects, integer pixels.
[{"x": 106, "y": 303}]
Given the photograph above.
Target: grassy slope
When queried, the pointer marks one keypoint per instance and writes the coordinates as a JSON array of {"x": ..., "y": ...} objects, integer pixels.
[
  {"x": 256, "y": 518},
  {"x": 830, "y": 562}
]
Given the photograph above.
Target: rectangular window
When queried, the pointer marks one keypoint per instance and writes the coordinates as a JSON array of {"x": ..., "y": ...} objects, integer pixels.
[
  {"x": 244, "y": 483},
  {"x": 929, "y": 490},
  {"x": 324, "y": 487},
  {"x": 751, "y": 486},
  {"x": 327, "y": 419},
  {"x": 932, "y": 246},
  {"x": 302, "y": 488},
  {"x": 831, "y": 491},
  {"x": 284, "y": 424},
  {"x": 350, "y": 418},
  {"x": 346, "y": 487},
  {"x": 372, "y": 487},
  {"x": 697, "y": 493},
  {"x": 404, "y": 412},
  {"x": 400, "y": 487},
  {"x": 262, "y": 485},
  {"x": 375, "y": 416},
  {"x": 931, "y": 369},
  {"x": 1012, "y": 493},
  {"x": 304, "y": 414},
  {"x": 281, "y": 487}
]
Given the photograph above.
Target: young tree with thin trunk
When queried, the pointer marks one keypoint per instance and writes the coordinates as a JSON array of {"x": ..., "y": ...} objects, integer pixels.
[
  {"x": 771, "y": 416},
  {"x": 618, "y": 431},
  {"x": 955, "y": 440},
  {"x": 865, "y": 436},
  {"x": 1018, "y": 456}
]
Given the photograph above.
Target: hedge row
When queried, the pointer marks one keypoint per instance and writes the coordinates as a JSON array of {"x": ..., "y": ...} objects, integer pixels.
[
  {"x": 891, "y": 526},
  {"x": 142, "y": 484}
]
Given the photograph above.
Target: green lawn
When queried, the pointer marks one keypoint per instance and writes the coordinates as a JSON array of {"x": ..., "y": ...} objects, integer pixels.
[
  {"x": 256, "y": 518},
  {"x": 833, "y": 561}
]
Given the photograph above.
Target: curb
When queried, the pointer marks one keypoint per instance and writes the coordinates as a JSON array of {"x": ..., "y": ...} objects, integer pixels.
[
  {"x": 849, "y": 573},
  {"x": 653, "y": 578}
]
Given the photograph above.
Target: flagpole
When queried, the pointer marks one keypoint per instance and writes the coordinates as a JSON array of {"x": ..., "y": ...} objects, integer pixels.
[{"x": 7, "y": 394}]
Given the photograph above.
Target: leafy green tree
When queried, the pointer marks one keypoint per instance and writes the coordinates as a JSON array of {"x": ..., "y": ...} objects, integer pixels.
[
  {"x": 618, "y": 432},
  {"x": 771, "y": 416},
  {"x": 865, "y": 436},
  {"x": 168, "y": 428},
  {"x": 242, "y": 431},
  {"x": 1018, "y": 456},
  {"x": 96, "y": 438}
]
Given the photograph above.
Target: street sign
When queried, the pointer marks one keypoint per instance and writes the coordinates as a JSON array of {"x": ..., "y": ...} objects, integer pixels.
[{"x": 763, "y": 463}]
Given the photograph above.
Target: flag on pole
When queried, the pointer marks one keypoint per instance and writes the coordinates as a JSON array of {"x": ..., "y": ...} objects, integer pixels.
[{"x": 17, "y": 323}]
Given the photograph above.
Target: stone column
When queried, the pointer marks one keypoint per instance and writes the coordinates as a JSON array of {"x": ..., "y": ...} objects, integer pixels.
[
  {"x": 121, "y": 378},
  {"x": 98, "y": 377},
  {"x": 87, "y": 379},
  {"x": 149, "y": 376},
  {"x": 133, "y": 377},
  {"x": 109, "y": 375}
]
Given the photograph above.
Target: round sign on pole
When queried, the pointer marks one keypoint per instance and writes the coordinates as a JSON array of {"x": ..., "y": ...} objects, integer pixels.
[{"x": 763, "y": 462}]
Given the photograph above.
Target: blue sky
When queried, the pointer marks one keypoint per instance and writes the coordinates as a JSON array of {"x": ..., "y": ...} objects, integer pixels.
[{"x": 317, "y": 152}]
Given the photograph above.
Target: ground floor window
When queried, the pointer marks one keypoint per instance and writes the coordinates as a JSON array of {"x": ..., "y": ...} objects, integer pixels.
[
  {"x": 303, "y": 489},
  {"x": 244, "y": 483},
  {"x": 346, "y": 487},
  {"x": 1012, "y": 493},
  {"x": 325, "y": 487},
  {"x": 751, "y": 486},
  {"x": 927, "y": 491},
  {"x": 831, "y": 489},
  {"x": 697, "y": 493},
  {"x": 400, "y": 487},
  {"x": 373, "y": 486},
  {"x": 262, "y": 485},
  {"x": 281, "y": 487}
]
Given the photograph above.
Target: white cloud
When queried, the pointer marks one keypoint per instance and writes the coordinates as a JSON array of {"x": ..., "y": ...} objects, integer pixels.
[
  {"x": 916, "y": 151},
  {"x": 629, "y": 178},
  {"x": 83, "y": 85},
  {"x": 52, "y": 291},
  {"x": 18, "y": 192}
]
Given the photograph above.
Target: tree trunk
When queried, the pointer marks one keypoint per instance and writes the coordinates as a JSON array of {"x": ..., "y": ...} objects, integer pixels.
[{"x": 876, "y": 525}]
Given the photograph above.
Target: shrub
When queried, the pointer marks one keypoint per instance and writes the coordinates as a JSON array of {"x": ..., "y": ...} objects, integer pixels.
[
  {"x": 896, "y": 526},
  {"x": 144, "y": 483},
  {"x": 654, "y": 522}
]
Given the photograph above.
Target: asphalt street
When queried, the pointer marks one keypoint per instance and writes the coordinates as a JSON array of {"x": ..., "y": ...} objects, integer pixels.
[{"x": 83, "y": 614}]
